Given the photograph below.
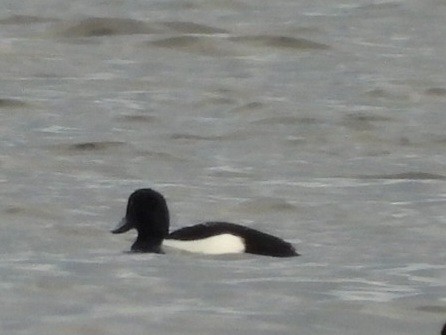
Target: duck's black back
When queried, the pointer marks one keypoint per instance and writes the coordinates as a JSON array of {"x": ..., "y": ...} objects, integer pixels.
[{"x": 256, "y": 242}]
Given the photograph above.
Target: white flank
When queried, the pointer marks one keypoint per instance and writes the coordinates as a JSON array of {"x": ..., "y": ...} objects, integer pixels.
[{"x": 214, "y": 245}]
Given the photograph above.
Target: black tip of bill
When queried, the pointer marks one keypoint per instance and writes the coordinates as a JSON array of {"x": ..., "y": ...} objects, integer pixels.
[{"x": 122, "y": 227}]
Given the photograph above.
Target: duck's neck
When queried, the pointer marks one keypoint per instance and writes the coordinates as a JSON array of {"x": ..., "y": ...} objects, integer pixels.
[
  {"x": 151, "y": 232},
  {"x": 147, "y": 244}
]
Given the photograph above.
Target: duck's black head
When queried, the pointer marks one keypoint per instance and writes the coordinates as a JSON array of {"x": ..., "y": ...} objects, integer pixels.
[{"x": 146, "y": 212}]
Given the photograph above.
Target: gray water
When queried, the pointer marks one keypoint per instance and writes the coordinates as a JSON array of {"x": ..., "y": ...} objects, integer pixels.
[{"x": 322, "y": 122}]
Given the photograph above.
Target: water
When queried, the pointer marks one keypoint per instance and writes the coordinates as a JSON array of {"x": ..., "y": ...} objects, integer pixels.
[{"x": 318, "y": 121}]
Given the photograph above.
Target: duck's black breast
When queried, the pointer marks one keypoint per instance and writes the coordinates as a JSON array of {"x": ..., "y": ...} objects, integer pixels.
[{"x": 256, "y": 242}]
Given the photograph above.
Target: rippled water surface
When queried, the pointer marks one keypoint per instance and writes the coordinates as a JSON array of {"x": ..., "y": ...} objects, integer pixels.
[{"x": 322, "y": 122}]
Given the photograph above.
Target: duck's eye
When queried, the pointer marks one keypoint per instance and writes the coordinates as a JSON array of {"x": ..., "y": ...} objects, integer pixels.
[{"x": 130, "y": 206}]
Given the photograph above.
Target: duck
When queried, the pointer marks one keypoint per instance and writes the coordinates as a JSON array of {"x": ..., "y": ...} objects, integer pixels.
[{"x": 147, "y": 212}]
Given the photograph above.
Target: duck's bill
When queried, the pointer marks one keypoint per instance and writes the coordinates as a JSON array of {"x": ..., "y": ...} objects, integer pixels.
[{"x": 122, "y": 227}]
